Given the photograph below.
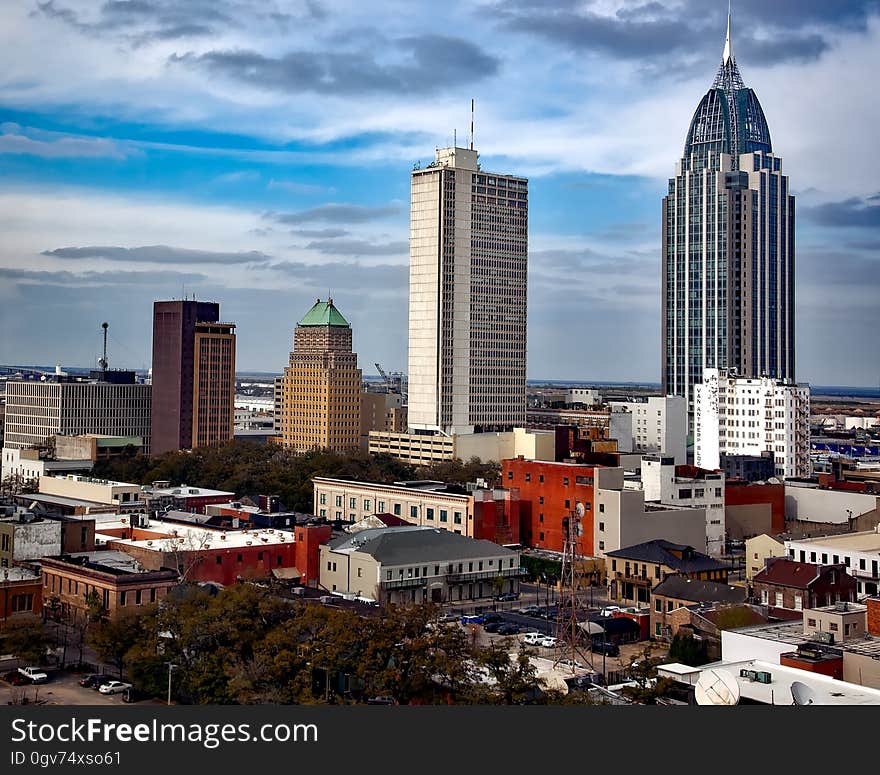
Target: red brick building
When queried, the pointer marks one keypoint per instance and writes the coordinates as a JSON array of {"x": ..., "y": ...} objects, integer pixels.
[
  {"x": 787, "y": 587},
  {"x": 549, "y": 492},
  {"x": 308, "y": 540},
  {"x": 741, "y": 493},
  {"x": 20, "y": 595},
  {"x": 814, "y": 659}
]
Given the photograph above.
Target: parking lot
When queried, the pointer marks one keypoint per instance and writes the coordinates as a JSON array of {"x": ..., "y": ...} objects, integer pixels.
[{"x": 61, "y": 689}]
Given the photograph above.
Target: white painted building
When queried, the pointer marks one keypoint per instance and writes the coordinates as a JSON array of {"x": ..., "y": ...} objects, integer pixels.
[
  {"x": 859, "y": 552},
  {"x": 467, "y": 296},
  {"x": 703, "y": 490},
  {"x": 584, "y": 396},
  {"x": 747, "y": 416},
  {"x": 27, "y": 465},
  {"x": 659, "y": 424}
]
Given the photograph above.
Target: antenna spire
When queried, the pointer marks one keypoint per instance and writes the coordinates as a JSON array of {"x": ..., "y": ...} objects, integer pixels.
[
  {"x": 103, "y": 362},
  {"x": 472, "y": 123},
  {"x": 727, "y": 56}
]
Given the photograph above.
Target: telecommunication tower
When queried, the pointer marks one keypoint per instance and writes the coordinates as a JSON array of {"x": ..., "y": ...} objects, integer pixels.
[{"x": 573, "y": 641}]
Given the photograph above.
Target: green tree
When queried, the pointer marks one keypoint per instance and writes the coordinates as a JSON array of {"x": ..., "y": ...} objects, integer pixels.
[
  {"x": 113, "y": 638},
  {"x": 642, "y": 671},
  {"x": 28, "y": 642}
]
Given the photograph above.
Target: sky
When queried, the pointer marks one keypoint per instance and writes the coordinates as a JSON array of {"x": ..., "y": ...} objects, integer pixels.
[{"x": 258, "y": 153}]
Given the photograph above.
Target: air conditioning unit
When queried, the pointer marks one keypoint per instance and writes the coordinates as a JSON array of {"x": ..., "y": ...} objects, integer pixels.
[{"x": 762, "y": 677}]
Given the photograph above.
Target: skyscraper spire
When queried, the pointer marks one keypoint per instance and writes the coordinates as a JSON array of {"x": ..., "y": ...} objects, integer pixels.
[{"x": 727, "y": 57}]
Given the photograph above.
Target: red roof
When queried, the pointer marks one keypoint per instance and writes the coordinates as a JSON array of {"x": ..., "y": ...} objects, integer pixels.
[
  {"x": 390, "y": 520},
  {"x": 783, "y": 572}
]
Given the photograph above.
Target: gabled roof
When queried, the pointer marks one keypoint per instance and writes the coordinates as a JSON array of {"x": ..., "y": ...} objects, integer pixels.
[
  {"x": 679, "y": 557},
  {"x": 699, "y": 591},
  {"x": 783, "y": 572},
  {"x": 323, "y": 313}
]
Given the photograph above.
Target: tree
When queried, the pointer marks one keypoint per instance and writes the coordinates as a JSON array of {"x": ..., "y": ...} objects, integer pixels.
[
  {"x": 642, "y": 671},
  {"x": 687, "y": 650},
  {"x": 112, "y": 639},
  {"x": 28, "y": 642}
]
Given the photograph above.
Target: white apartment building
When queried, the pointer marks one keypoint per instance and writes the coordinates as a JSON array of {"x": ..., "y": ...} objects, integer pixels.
[
  {"x": 859, "y": 552},
  {"x": 659, "y": 424},
  {"x": 28, "y": 465},
  {"x": 467, "y": 296},
  {"x": 747, "y": 416},
  {"x": 37, "y": 410},
  {"x": 688, "y": 487}
]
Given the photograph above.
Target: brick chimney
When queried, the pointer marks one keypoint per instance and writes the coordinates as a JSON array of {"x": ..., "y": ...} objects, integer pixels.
[{"x": 873, "y": 604}]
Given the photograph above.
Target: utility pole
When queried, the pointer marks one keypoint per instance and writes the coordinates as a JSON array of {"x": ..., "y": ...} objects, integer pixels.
[{"x": 171, "y": 667}]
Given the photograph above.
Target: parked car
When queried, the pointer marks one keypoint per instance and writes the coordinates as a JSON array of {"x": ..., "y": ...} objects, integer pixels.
[
  {"x": 114, "y": 687},
  {"x": 91, "y": 680},
  {"x": 98, "y": 681},
  {"x": 492, "y": 617},
  {"x": 548, "y": 642},
  {"x": 492, "y": 626},
  {"x": 549, "y": 612},
  {"x": 382, "y": 700},
  {"x": 133, "y": 695},
  {"x": 507, "y": 597},
  {"x": 508, "y": 629},
  {"x": 533, "y": 638},
  {"x": 609, "y": 649},
  {"x": 573, "y": 663},
  {"x": 609, "y": 610},
  {"x": 530, "y": 610},
  {"x": 34, "y": 675},
  {"x": 15, "y": 678}
]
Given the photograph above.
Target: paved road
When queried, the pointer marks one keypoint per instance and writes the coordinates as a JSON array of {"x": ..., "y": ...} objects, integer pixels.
[{"x": 61, "y": 689}]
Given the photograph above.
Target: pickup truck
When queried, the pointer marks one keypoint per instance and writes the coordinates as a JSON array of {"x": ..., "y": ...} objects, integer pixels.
[{"x": 34, "y": 674}]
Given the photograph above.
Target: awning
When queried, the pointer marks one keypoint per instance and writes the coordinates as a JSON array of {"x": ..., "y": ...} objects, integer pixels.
[
  {"x": 591, "y": 628},
  {"x": 287, "y": 574}
]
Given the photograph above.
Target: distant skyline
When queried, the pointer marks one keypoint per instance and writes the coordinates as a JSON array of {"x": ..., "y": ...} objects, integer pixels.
[{"x": 258, "y": 154}]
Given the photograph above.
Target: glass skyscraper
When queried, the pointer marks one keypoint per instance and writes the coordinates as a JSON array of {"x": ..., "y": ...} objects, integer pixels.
[{"x": 728, "y": 245}]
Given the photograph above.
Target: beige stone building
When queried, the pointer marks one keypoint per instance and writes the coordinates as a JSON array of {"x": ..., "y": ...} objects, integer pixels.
[
  {"x": 321, "y": 388},
  {"x": 408, "y": 565},
  {"x": 381, "y": 412}
]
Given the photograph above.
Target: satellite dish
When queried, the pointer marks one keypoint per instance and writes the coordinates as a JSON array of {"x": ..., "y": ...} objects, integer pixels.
[
  {"x": 579, "y": 509},
  {"x": 716, "y": 687},
  {"x": 802, "y": 694}
]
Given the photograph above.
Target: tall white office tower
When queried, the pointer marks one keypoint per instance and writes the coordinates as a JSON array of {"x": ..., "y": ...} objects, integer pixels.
[{"x": 467, "y": 297}]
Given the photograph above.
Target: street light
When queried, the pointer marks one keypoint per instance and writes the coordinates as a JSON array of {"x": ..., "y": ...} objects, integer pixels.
[{"x": 171, "y": 667}]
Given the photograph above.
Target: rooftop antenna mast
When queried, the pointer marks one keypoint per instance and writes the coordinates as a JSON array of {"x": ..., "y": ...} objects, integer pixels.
[
  {"x": 472, "y": 123},
  {"x": 103, "y": 362}
]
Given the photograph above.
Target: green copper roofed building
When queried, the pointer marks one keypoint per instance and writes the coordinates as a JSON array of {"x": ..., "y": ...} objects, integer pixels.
[
  {"x": 728, "y": 245},
  {"x": 321, "y": 387}
]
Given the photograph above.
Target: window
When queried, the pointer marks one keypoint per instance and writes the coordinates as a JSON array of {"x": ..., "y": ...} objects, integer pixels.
[
  {"x": 323, "y": 499},
  {"x": 510, "y": 474},
  {"x": 658, "y": 605},
  {"x": 352, "y": 503},
  {"x": 811, "y": 622},
  {"x": 812, "y": 557},
  {"x": 338, "y": 501},
  {"x": 601, "y": 527},
  {"x": 456, "y": 517},
  {"x": 218, "y": 560},
  {"x": 684, "y": 494},
  {"x": 613, "y": 566},
  {"x": 657, "y": 628},
  {"x": 717, "y": 492},
  {"x": 764, "y": 596},
  {"x": 565, "y": 481},
  {"x": 137, "y": 597},
  {"x": 668, "y": 605},
  {"x": 656, "y": 571},
  {"x": 241, "y": 559},
  {"x": 436, "y": 570},
  {"x": 540, "y": 477},
  {"x": 798, "y": 602},
  {"x": 528, "y": 477},
  {"x": 328, "y": 565},
  {"x": 122, "y": 598},
  {"x": 540, "y": 536},
  {"x": 388, "y": 575},
  {"x": 429, "y": 514},
  {"x": 832, "y": 626},
  {"x": 396, "y": 509},
  {"x": 699, "y": 493},
  {"x": 540, "y": 500},
  {"x": 367, "y": 504},
  {"x": 409, "y": 572},
  {"x": 778, "y": 600},
  {"x": 414, "y": 512},
  {"x": 443, "y": 515},
  {"x": 601, "y": 545},
  {"x": 568, "y": 504},
  {"x": 824, "y": 558},
  {"x": 601, "y": 508},
  {"x": 381, "y": 507}
]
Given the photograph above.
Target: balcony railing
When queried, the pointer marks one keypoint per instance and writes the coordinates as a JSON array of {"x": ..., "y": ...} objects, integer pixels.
[
  {"x": 405, "y": 583},
  {"x": 485, "y": 574}
]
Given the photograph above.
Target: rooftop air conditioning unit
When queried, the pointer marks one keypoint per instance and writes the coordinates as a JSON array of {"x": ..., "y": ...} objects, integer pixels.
[
  {"x": 762, "y": 677},
  {"x": 223, "y": 537}
]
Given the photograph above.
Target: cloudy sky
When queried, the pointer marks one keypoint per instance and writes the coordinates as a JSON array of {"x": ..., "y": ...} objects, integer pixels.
[{"x": 257, "y": 153}]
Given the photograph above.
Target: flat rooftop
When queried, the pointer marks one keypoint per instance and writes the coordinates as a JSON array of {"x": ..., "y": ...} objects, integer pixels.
[
  {"x": 185, "y": 491},
  {"x": 194, "y": 538},
  {"x": 866, "y": 541},
  {"x": 825, "y": 690},
  {"x": 18, "y": 574}
]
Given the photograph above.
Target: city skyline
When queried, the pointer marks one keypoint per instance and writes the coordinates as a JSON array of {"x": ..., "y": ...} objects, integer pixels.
[{"x": 268, "y": 177}]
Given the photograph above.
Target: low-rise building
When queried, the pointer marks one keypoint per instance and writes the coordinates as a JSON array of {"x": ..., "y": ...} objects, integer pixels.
[
  {"x": 634, "y": 570},
  {"x": 659, "y": 425},
  {"x": 121, "y": 494},
  {"x": 858, "y": 552},
  {"x": 112, "y": 578},
  {"x": 480, "y": 512},
  {"x": 808, "y": 501},
  {"x": 20, "y": 595},
  {"x": 616, "y": 424},
  {"x": 161, "y": 495},
  {"x": 407, "y": 565},
  {"x": 751, "y": 508},
  {"x": 25, "y": 536},
  {"x": 676, "y": 592},
  {"x": 787, "y": 587},
  {"x": 612, "y": 514},
  {"x": 28, "y": 465},
  {"x": 758, "y": 549}
]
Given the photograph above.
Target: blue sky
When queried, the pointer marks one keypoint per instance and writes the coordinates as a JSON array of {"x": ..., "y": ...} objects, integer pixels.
[{"x": 257, "y": 153}]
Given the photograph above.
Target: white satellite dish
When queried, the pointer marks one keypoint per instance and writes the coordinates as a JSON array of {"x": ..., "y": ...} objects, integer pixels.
[
  {"x": 802, "y": 694},
  {"x": 716, "y": 687},
  {"x": 579, "y": 509}
]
